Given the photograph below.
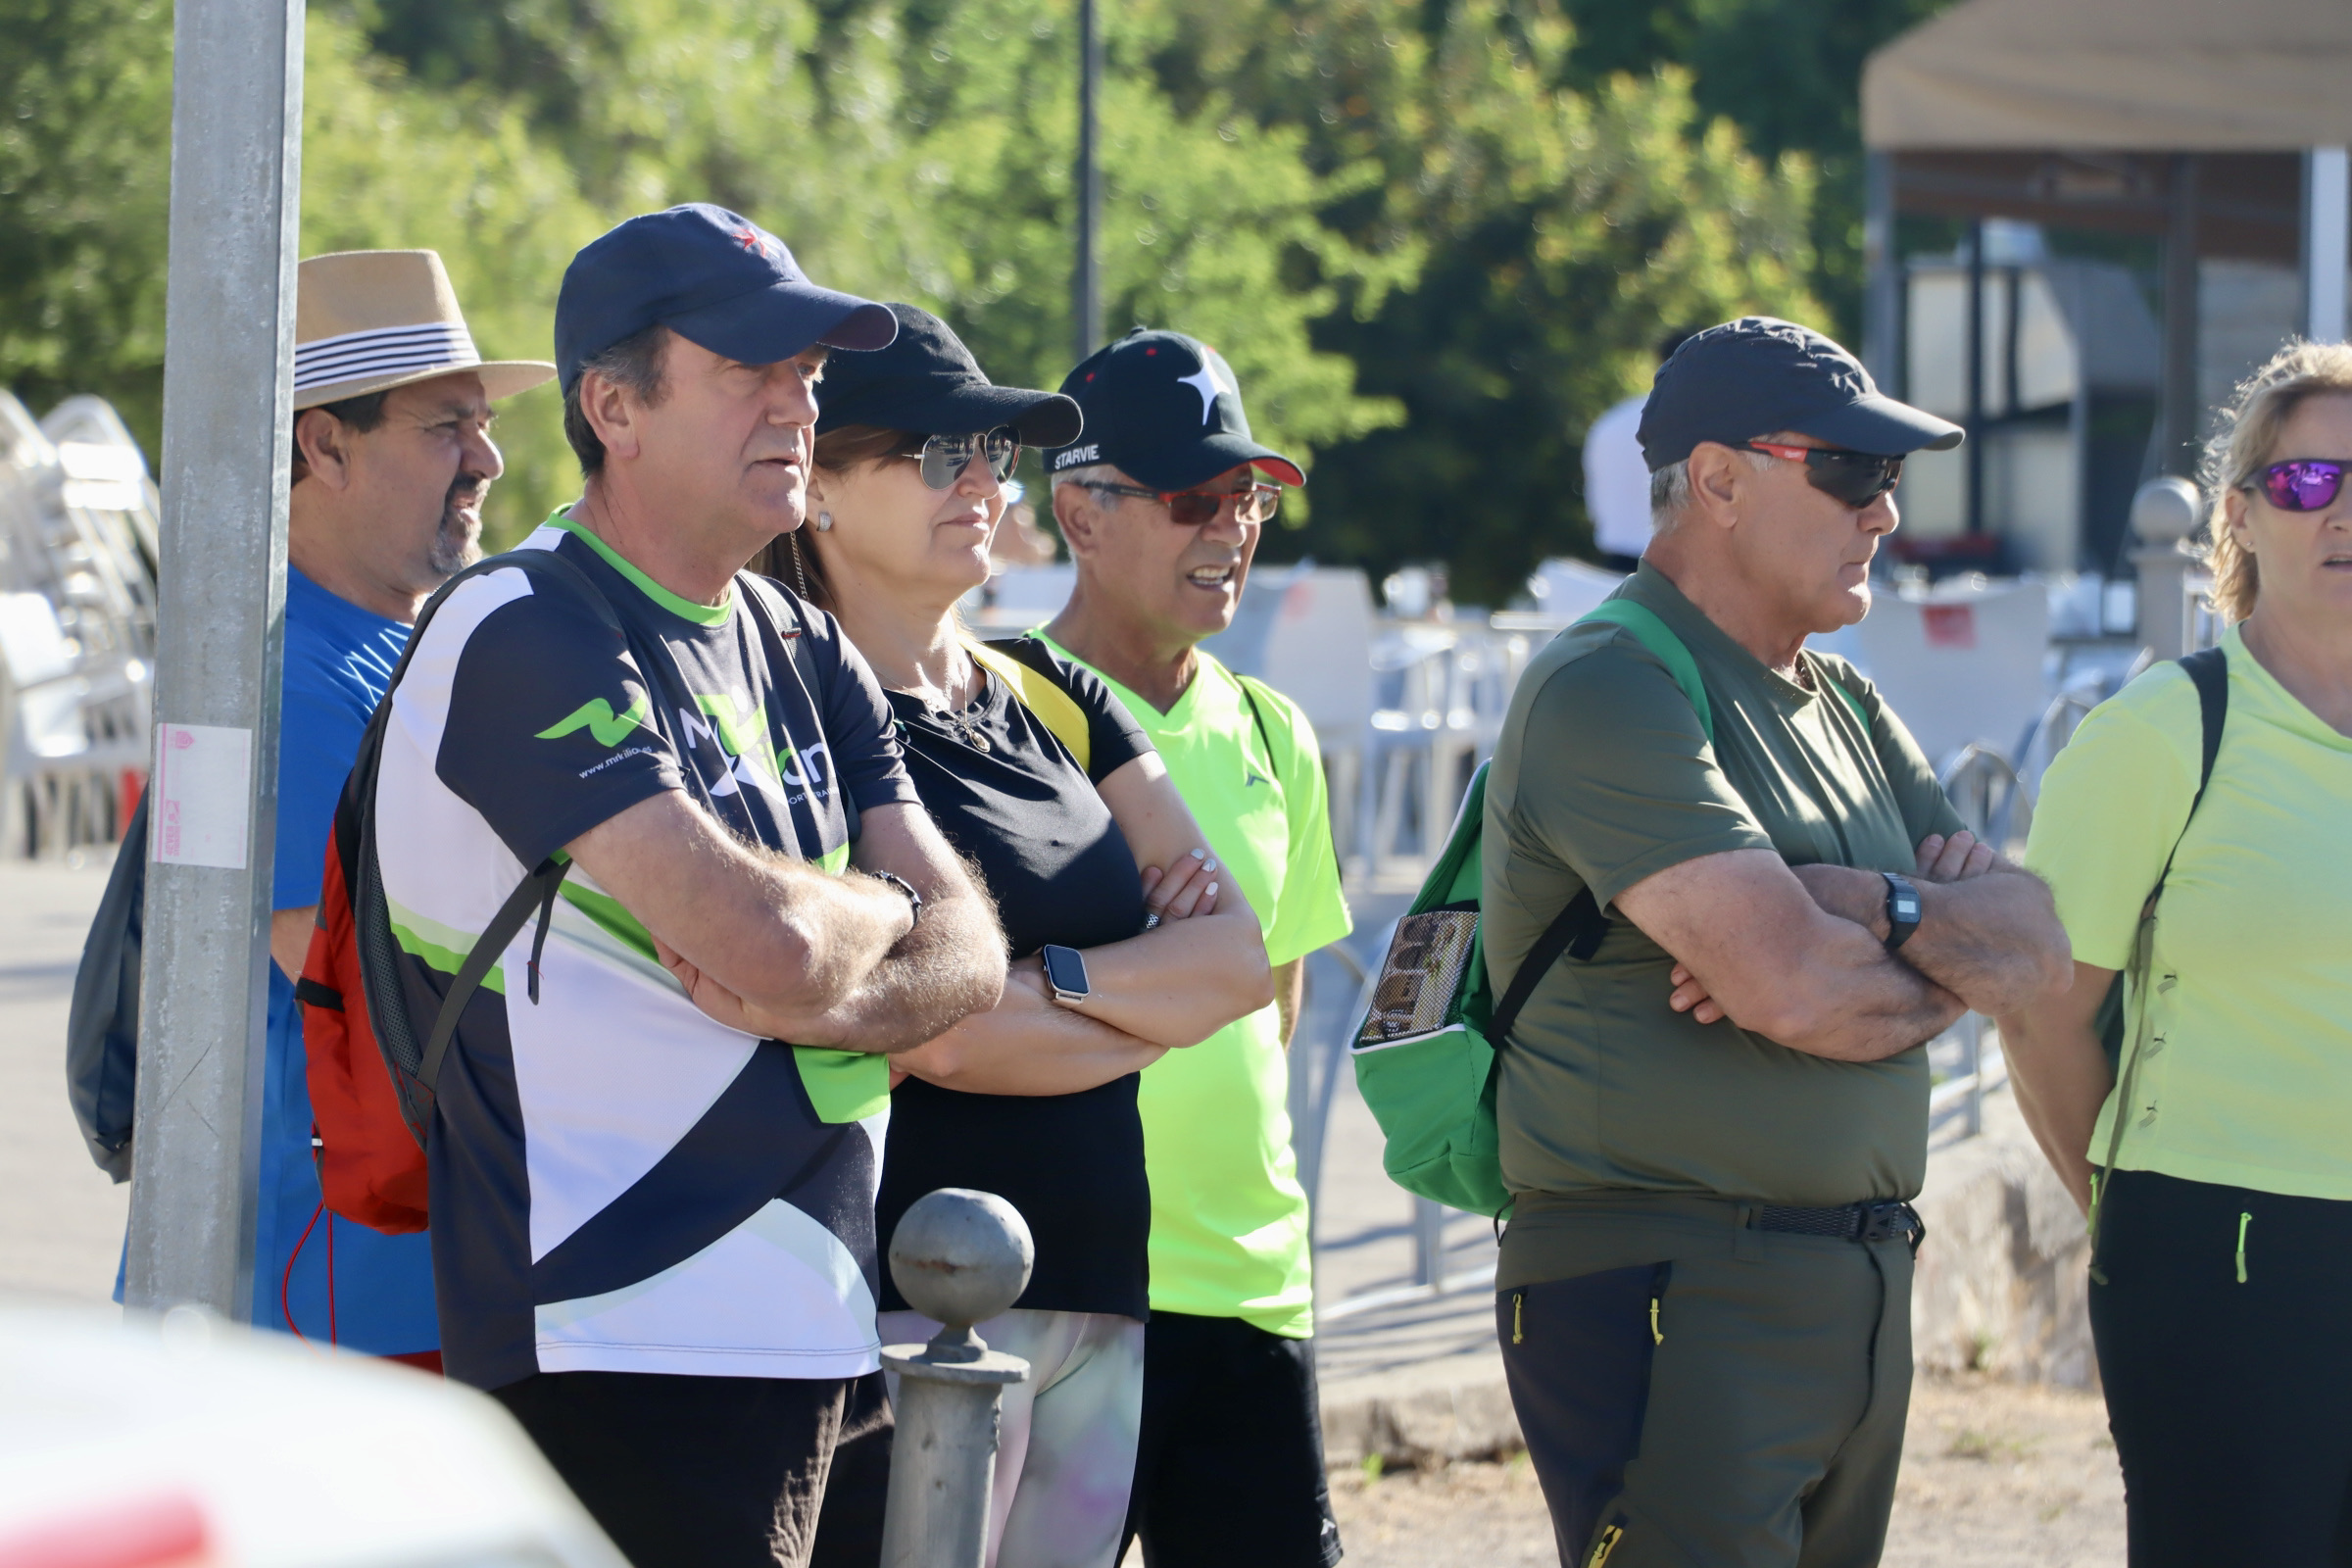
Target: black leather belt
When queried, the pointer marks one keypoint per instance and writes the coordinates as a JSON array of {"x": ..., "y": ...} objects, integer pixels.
[{"x": 1848, "y": 1222}]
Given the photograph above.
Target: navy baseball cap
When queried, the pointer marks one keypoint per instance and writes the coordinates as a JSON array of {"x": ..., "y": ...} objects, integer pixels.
[
  {"x": 1166, "y": 411},
  {"x": 714, "y": 277},
  {"x": 1750, "y": 377},
  {"x": 927, "y": 382}
]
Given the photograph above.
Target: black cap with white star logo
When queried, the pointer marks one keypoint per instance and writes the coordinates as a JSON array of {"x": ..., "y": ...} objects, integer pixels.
[{"x": 1166, "y": 411}]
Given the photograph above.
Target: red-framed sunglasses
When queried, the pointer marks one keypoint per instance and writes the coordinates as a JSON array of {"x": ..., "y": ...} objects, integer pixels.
[
  {"x": 1850, "y": 478},
  {"x": 1192, "y": 508}
]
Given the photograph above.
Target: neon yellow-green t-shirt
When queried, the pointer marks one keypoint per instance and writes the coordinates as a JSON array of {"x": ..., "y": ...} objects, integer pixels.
[
  {"x": 2247, "y": 1081},
  {"x": 1229, "y": 1220}
]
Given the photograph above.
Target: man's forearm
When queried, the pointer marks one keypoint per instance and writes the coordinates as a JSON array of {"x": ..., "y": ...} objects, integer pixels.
[
  {"x": 1866, "y": 1006},
  {"x": 1993, "y": 941},
  {"x": 950, "y": 964}
]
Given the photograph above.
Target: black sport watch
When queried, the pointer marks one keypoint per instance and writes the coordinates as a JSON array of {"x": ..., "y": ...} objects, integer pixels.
[
  {"x": 915, "y": 900},
  {"x": 1902, "y": 910}
]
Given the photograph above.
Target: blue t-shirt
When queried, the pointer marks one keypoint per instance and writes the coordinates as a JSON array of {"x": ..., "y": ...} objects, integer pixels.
[{"x": 339, "y": 659}]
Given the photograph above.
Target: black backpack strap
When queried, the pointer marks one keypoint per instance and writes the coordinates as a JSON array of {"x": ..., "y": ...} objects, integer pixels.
[
  {"x": 2209, "y": 671},
  {"x": 1258, "y": 716},
  {"x": 536, "y": 894},
  {"x": 1577, "y": 931}
]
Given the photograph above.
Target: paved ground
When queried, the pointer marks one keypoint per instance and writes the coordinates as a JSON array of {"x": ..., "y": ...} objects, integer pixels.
[
  {"x": 60, "y": 1218},
  {"x": 1994, "y": 1476}
]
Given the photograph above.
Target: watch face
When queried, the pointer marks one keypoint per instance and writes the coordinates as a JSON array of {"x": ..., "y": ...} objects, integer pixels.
[{"x": 1065, "y": 970}]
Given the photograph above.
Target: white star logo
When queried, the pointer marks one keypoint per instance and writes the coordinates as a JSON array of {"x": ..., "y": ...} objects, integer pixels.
[{"x": 1208, "y": 384}]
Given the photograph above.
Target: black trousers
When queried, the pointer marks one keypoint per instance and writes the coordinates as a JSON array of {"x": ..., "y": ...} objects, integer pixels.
[
  {"x": 1229, "y": 1464},
  {"x": 686, "y": 1472},
  {"x": 2225, "y": 1340}
]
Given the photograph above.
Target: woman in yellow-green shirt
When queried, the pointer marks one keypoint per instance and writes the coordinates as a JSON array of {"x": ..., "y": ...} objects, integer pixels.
[{"x": 2221, "y": 1299}]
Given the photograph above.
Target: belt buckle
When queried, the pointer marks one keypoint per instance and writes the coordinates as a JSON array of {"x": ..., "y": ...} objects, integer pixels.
[{"x": 1893, "y": 1221}]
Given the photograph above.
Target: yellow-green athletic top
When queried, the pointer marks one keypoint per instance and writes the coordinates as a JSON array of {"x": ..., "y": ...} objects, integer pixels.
[
  {"x": 2246, "y": 1080},
  {"x": 1229, "y": 1220}
]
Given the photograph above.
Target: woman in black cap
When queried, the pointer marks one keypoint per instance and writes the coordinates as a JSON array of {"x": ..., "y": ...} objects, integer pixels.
[{"x": 1127, "y": 939}]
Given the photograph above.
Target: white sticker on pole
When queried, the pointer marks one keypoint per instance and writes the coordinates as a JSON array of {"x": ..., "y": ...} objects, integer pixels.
[{"x": 203, "y": 795}]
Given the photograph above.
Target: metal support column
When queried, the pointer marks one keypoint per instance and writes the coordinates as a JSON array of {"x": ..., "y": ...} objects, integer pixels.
[
  {"x": 2178, "y": 418},
  {"x": 228, "y": 353},
  {"x": 1085, "y": 278},
  {"x": 1882, "y": 277},
  {"x": 1973, "y": 451},
  {"x": 2327, "y": 232}
]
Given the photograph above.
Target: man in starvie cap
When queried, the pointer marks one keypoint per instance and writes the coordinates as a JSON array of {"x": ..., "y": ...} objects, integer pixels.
[
  {"x": 1162, "y": 500},
  {"x": 1747, "y": 906},
  {"x": 652, "y": 1224}
]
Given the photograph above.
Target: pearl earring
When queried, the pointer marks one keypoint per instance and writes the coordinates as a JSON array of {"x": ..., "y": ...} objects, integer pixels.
[{"x": 824, "y": 522}]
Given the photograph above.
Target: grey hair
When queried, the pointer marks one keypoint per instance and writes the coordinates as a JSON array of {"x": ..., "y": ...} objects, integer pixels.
[
  {"x": 1088, "y": 473},
  {"x": 637, "y": 362},
  {"x": 1670, "y": 491}
]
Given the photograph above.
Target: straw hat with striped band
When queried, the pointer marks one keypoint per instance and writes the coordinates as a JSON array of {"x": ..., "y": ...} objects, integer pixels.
[{"x": 371, "y": 321}]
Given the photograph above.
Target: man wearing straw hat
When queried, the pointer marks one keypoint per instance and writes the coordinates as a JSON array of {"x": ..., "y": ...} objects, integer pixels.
[{"x": 392, "y": 459}]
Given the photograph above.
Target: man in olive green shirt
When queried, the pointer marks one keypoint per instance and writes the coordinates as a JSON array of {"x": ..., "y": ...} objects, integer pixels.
[{"x": 1714, "y": 1108}]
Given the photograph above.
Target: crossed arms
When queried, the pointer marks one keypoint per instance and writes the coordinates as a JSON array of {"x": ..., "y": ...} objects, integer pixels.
[
  {"x": 776, "y": 946},
  {"x": 773, "y": 946},
  {"x": 1797, "y": 955}
]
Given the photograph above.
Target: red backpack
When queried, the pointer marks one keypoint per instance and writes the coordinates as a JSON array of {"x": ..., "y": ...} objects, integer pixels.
[{"x": 371, "y": 1071}]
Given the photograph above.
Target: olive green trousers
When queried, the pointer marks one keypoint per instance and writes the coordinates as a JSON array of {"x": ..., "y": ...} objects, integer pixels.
[{"x": 1739, "y": 1408}]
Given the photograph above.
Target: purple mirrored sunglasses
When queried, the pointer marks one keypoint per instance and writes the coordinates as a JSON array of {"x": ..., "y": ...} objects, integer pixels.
[{"x": 2307, "y": 484}]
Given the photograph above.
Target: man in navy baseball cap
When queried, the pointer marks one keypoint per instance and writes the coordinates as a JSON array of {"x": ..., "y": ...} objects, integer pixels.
[
  {"x": 1789, "y": 906},
  {"x": 714, "y": 277},
  {"x": 1732, "y": 383},
  {"x": 653, "y": 1221},
  {"x": 1163, "y": 499}
]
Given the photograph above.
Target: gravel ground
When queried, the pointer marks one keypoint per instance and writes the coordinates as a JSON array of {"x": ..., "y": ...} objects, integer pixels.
[{"x": 1993, "y": 1474}]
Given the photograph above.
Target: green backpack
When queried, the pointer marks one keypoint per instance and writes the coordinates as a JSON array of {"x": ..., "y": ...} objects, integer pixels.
[{"x": 1425, "y": 1054}]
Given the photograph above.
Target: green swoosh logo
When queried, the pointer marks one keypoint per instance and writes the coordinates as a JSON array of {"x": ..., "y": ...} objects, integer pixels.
[{"x": 596, "y": 718}]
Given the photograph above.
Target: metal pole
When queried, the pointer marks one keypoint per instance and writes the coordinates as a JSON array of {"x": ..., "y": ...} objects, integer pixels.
[
  {"x": 2179, "y": 417},
  {"x": 2327, "y": 232},
  {"x": 1973, "y": 451},
  {"x": 228, "y": 351},
  {"x": 959, "y": 1257},
  {"x": 1086, "y": 280},
  {"x": 1881, "y": 281}
]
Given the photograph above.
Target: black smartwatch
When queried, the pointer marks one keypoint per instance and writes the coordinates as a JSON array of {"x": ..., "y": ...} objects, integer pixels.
[
  {"x": 1065, "y": 972},
  {"x": 1902, "y": 910},
  {"x": 915, "y": 900}
]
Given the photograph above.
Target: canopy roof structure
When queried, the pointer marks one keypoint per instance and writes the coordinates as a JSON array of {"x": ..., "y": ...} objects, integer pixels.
[{"x": 2116, "y": 75}]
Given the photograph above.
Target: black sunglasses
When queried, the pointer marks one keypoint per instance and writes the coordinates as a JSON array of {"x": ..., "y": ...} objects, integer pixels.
[
  {"x": 1850, "y": 478},
  {"x": 945, "y": 457}
]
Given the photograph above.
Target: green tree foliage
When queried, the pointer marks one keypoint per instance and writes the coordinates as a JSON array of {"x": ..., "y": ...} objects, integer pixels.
[
  {"x": 1554, "y": 235},
  {"x": 1436, "y": 237},
  {"x": 85, "y": 107},
  {"x": 1788, "y": 72}
]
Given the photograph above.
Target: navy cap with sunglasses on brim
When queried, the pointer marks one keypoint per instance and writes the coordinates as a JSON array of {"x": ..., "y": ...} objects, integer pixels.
[
  {"x": 927, "y": 382},
  {"x": 712, "y": 277},
  {"x": 1165, "y": 410},
  {"x": 1760, "y": 376}
]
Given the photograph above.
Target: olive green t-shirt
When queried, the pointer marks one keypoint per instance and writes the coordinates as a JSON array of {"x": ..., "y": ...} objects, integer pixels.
[{"x": 1603, "y": 776}]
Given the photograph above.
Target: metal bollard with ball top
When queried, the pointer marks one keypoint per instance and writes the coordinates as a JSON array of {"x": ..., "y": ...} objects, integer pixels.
[{"x": 959, "y": 1257}]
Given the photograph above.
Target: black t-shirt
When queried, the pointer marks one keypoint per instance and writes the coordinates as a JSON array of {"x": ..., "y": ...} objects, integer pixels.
[{"x": 1061, "y": 872}]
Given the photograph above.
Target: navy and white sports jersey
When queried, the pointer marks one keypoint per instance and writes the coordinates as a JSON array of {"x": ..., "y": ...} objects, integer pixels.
[{"x": 620, "y": 1184}]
